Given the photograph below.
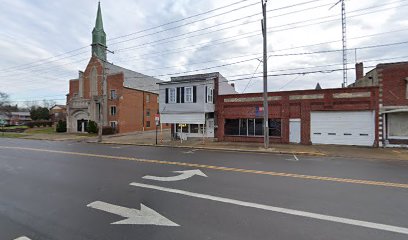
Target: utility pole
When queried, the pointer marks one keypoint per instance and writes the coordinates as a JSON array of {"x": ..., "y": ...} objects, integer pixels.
[
  {"x": 102, "y": 98},
  {"x": 265, "y": 75}
]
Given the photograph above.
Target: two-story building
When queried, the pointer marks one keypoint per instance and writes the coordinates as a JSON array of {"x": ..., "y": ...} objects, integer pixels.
[
  {"x": 188, "y": 103},
  {"x": 392, "y": 80}
]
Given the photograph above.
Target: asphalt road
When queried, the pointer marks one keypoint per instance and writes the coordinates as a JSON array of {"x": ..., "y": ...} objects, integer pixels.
[{"x": 61, "y": 190}]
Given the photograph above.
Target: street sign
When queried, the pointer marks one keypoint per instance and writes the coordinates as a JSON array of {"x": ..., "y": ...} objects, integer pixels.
[{"x": 157, "y": 119}]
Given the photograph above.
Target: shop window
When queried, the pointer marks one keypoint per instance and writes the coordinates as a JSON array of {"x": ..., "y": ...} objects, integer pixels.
[
  {"x": 259, "y": 127},
  {"x": 147, "y": 124},
  {"x": 275, "y": 129},
  {"x": 193, "y": 128},
  {"x": 185, "y": 127},
  {"x": 231, "y": 127}
]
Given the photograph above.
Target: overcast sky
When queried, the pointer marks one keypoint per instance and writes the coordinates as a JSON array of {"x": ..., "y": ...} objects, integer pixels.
[{"x": 45, "y": 43}]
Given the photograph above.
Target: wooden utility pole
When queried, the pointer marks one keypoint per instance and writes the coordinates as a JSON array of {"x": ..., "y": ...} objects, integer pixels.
[
  {"x": 102, "y": 97},
  {"x": 265, "y": 75}
]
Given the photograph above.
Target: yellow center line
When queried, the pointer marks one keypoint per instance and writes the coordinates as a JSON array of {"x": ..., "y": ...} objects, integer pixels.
[{"x": 220, "y": 168}]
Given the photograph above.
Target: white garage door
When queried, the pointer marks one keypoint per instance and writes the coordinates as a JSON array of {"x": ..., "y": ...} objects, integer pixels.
[{"x": 345, "y": 127}]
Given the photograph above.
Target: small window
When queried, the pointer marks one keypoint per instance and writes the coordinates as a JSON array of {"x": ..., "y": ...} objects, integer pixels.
[
  {"x": 317, "y": 133},
  {"x": 188, "y": 94},
  {"x": 147, "y": 124},
  {"x": 113, "y": 124},
  {"x": 332, "y": 134},
  {"x": 348, "y": 134},
  {"x": 148, "y": 113},
  {"x": 210, "y": 94},
  {"x": 172, "y": 95},
  {"x": 113, "y": 94},
  {"x": 147, "y": 98},
  {"x": 363, "y": 134},
  {"x": 157, "y": 99},
  {"x": 113, "y": 110}
]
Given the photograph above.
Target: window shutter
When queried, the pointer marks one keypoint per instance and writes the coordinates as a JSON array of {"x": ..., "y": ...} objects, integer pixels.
[
  {"x": 206, "y": 94},
  {"x": 182, "y": 95},
  {"x": 194, "y": 93},
  {"x": 167, "y": 95},
  {"x": 178, "y": 95}
]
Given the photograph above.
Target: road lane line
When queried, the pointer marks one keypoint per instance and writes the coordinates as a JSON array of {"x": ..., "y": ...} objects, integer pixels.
[
  {"x": 288, "y": 211},
  {"x": 221, "y": 168}
]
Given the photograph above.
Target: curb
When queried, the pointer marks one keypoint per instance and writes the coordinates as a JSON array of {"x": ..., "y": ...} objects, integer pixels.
[{"x": 216, "y": 148}]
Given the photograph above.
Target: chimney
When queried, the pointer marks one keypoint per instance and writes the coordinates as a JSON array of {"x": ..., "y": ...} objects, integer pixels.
[{"x": 359, "y": 71}]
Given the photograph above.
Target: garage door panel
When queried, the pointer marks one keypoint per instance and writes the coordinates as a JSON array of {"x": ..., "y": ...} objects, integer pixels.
[{"x": 345, "y": 128}]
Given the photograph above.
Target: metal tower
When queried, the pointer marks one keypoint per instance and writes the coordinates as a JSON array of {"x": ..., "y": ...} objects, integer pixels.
[{"x": 344, "y": 39}]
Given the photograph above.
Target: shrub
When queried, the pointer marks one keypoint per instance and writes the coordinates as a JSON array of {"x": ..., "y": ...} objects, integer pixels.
[
  {"x": 92, "y": 127},
  {"x": 61, "y": 126}
]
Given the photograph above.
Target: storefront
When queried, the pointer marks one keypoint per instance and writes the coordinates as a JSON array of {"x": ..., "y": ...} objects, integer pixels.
[{"x": 327, "y": 116}]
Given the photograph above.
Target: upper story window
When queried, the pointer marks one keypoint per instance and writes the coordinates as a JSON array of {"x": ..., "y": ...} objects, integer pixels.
[
  {"x": 113, "y": 110},
  {"x": 147, "y": 98},
  {"x": 172, "y": 95},
  {"x": 148, "y": 113},
  {"x": 210, "y": 94},
  {"x": 113, "y": 94},
  {"x": 181, "y": 95},
  {"x": 188, "y": 94}
]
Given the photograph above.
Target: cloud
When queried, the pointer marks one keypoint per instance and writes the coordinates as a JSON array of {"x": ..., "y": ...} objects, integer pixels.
[{"x": 31, "y": 31}]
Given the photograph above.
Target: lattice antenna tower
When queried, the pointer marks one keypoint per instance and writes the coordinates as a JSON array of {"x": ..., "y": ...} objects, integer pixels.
[{"x": 344, "y": 39}]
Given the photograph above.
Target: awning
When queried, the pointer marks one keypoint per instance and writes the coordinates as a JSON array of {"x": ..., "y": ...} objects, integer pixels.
[
  {"x": 395, "y": 110},
  {"x": 184, "y": 118}
]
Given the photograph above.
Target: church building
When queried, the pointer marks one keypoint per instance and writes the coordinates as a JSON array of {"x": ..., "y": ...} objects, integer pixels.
[{"x": 125, "y": 100}]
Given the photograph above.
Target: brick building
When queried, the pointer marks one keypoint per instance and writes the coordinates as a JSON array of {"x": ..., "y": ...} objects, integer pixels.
[
  {"x": 58, "y": 112},
  {"x": 131, "y": 98},
  {"x": 346, "y": 116},
  {"x": 392, "y": 80}
]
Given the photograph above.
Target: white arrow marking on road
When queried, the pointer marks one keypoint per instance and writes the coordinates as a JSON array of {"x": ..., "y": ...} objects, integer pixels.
[
  {"x": 184, "y": 175},
  {"x": 22, "y": 238},
  {"x": 329, "y": 218},
  {"x": 144, "y": 216}
]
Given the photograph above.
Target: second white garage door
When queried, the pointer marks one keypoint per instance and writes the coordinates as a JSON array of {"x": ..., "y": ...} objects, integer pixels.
[{"x": 343, "y": 127}]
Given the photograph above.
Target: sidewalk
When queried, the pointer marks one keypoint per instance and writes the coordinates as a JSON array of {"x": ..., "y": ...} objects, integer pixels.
[{"x": 147, "y": 138}]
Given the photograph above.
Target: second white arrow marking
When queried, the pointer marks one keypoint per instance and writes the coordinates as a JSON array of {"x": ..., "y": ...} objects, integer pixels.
[
  {"x": 184, "y": 175},
  {"x": 144, "y": 216}
]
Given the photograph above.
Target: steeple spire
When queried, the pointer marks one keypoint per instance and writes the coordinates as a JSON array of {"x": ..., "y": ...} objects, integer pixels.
[{"x": 99, "y": 36}]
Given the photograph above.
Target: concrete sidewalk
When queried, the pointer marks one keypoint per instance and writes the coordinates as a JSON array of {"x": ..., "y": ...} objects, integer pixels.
[{"x": 148, "y": 138}]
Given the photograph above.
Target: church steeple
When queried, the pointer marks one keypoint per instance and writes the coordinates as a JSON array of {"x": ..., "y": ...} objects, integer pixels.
[{"x": 99, "y": 36}]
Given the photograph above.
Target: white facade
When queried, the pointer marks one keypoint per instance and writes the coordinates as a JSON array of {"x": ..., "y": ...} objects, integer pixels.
[
  {"x": 343, "y": 127},
  {"x": 188, "y": 102}
]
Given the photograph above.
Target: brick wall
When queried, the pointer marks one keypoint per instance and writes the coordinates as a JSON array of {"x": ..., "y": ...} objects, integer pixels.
[
  {"x": 393, "y": 86},
  {"x": 130, "y": 111},
  {"x": 294, "y": 104},
  {"x": 73, "y": 88}
]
